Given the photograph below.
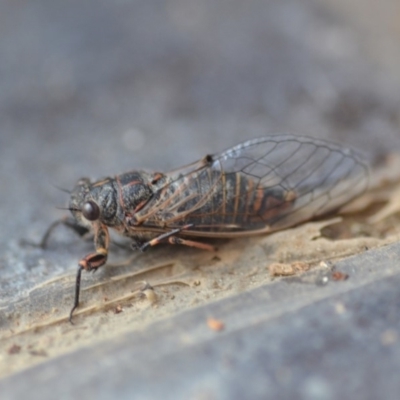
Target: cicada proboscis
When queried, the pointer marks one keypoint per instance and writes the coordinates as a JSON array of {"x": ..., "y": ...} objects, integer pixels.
[{"x": 256, "y": 187}]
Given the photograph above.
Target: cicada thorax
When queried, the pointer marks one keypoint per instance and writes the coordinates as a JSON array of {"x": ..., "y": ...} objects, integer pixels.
[{"x": 135, "y": 190}]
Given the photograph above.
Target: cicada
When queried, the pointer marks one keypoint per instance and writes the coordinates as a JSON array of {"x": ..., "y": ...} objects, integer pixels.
[{"x": 256, "y": 187}]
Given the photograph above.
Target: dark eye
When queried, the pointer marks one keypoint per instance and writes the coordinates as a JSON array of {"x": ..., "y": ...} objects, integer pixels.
[{"x": 91, "y": 211}]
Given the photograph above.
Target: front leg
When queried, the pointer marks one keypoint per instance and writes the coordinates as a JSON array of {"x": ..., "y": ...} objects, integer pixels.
[{"x": 92, "y": 261}]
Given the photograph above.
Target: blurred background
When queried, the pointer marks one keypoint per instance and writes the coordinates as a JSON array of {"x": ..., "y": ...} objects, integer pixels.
[{"x": 96, "y": 88}]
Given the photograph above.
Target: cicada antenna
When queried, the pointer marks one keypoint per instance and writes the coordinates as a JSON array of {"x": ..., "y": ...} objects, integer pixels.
[{"x": 62, "y": 189}]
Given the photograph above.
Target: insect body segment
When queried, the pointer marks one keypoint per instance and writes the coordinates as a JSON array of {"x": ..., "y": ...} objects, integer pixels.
[{"x": 259, "y": 186}]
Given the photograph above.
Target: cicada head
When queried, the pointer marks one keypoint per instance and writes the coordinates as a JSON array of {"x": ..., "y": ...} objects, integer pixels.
[
  {"x": 77, "y": 200},
  {"x": 90, "y": 202},
  {"x": 112, "y": 201}
]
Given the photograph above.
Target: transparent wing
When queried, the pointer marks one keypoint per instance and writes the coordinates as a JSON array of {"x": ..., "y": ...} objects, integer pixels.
[
  {"x": 322, "y": 176},
  {"x": 263, "y": 184}
]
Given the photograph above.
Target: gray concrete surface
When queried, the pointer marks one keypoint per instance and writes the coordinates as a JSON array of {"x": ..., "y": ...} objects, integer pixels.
[
  {"x": 92, "y": 89},
  {"x": 289, "y": 340}
]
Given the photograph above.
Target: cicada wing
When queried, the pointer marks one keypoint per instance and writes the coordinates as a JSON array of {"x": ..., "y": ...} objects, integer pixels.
[
  {"x": 263, "y": 184},
  {"x": 317, "y": 176}
]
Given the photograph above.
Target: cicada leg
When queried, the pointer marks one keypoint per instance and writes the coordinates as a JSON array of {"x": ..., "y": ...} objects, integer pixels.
[
  {"x": 172, "y": 239},
  {"x": 66, "y": 221},
  {"x": 92, "y": 261},
  {"x": 191, "y": 243}
]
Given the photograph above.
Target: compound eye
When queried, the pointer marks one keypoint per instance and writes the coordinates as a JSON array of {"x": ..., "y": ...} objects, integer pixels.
[{"x": 91, "y": 211}]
